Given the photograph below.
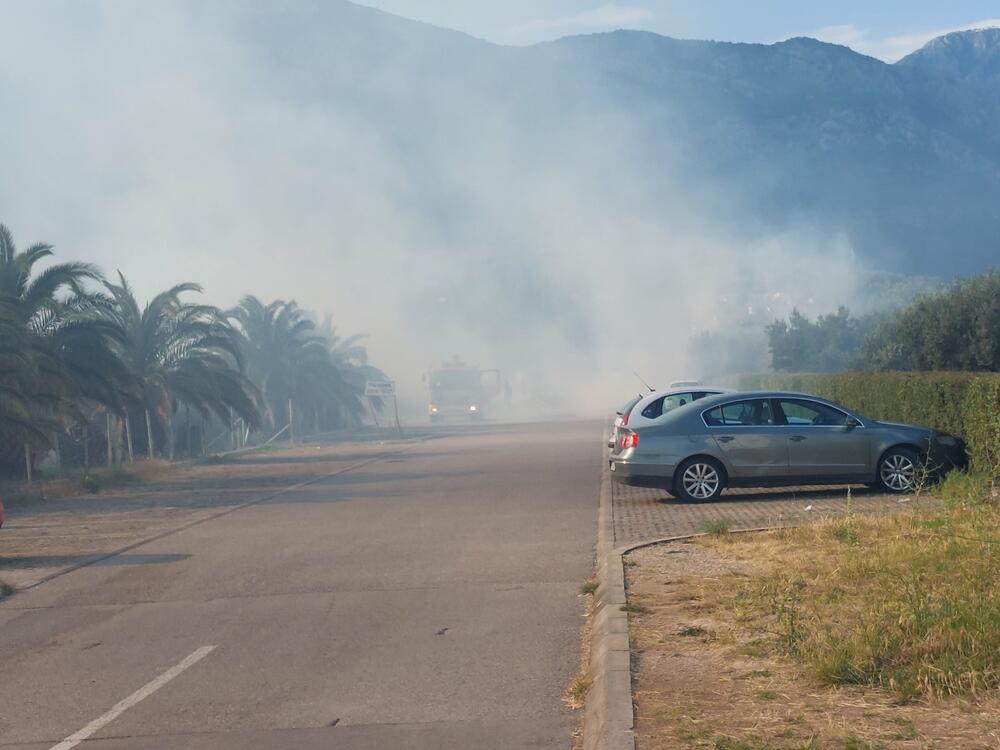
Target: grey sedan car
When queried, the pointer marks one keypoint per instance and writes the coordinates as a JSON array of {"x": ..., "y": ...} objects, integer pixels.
[{"x": 769, "y": 439}]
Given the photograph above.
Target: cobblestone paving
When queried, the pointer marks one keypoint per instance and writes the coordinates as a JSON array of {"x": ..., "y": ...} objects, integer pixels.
[{"x": 641, "y": 514}]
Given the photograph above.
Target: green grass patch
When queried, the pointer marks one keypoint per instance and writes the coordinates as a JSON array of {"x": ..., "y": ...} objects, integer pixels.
[
  {"x": 588, "y": 587},
  {"x": 717, "y": 526}
]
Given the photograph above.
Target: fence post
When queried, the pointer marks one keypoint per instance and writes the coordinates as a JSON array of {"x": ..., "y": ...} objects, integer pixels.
[
  {"x": 128, "y": 437},
  {"x": 111, "y": 457},
  {"x": 170, "y": 436},
  {"x": 395, "y": 412}
]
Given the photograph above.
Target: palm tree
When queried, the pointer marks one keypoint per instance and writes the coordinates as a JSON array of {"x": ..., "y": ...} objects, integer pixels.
[
  {"x": 288, "y": 360},
  {"x": 180, "y": 352},
  {"x": 351, "y": 360},
  {"x": 55, "y": 352}
]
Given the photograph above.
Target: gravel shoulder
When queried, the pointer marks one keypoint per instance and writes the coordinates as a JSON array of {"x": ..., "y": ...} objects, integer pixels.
[{"x": 43, "y": 535}]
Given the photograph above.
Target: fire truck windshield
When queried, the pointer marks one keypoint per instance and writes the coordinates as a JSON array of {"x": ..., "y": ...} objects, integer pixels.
[{"x": 452, "y": 379}]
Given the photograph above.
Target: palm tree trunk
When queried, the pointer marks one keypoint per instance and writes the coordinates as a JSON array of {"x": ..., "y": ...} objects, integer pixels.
[
  {"x": 27, "y": 462},
  {"x": 55, "y": 447},
  {"x": 291, "y": 423},
  {"x": 187, "y": 431},
  {"x": 86, "y": 447},
  {"x": 128, "y": 437},
  {"x": 149, "y": 434}
]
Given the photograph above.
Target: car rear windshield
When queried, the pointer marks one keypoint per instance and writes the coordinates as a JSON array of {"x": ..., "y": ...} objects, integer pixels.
[
  {"x": 629, "y": 404},
  {"x": 661, "y": 406}
]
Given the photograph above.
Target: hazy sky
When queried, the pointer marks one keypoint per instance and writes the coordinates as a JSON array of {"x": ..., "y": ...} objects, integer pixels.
[{"x": 887, "y": 29}]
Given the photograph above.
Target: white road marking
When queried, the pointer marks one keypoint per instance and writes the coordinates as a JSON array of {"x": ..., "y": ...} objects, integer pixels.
[{"x": 124, "y": 705}]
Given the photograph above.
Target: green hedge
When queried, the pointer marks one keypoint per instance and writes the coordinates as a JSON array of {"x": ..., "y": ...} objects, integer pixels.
[{"x": 962, "y": 403}]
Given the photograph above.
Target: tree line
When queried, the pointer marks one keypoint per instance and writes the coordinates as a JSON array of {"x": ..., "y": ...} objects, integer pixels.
[
  {"x": 956, "y": 327},
  {"x": 79, "y": 355}
]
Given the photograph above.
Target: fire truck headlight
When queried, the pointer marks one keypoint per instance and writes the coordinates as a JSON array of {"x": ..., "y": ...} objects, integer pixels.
[
  {"x": 434, "y": 410},
  {"x": 472, "y": 408}
]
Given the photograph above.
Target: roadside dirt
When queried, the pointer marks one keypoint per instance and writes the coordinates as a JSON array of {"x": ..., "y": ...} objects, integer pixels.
[
  {"x": 45, "y": 534},
  {"x": 699, "y": 682}
]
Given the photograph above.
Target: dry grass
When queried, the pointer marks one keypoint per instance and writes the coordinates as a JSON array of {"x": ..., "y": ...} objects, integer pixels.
[
  {"x": 862, "y": 632},
  {"x": 909, "y": 603},
  {"x": 576, "y": 694}
]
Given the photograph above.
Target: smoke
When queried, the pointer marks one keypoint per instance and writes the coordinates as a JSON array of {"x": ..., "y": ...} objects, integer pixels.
[{"x": 443, "y": 195}]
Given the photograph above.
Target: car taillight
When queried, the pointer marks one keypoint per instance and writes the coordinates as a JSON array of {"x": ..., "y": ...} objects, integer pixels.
[{"x": 629, "y": 441}]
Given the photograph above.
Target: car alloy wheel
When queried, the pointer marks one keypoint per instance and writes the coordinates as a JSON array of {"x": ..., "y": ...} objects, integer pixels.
[
  {"x": 898, "y": 472},
  {"x": 701, "y": 480}
]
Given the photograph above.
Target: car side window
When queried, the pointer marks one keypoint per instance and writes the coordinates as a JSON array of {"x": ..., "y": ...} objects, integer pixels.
[
  {"x": 751, "y": 413},
  {"x": 801, "y": 413}
]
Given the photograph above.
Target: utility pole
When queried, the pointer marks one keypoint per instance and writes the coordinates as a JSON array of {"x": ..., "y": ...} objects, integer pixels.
[{"x": 291, "y": 423}]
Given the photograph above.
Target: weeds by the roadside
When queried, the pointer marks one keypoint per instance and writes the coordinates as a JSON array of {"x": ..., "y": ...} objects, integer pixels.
[
  {"x": 717, "y": 526},
  {"x": 576, "y": 694},
  {"x": 908, "y": 602},
  {"x": 588, "y": 587},
  {"x": 94, "y": 480},
  {"x": 107, "y": 479}
]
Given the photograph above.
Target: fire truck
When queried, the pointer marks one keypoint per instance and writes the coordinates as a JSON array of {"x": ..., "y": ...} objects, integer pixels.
[{"x": 461, "y": 391}]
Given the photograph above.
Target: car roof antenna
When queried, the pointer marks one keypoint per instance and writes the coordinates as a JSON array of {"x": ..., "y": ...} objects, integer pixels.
[{"x": 641, "y": 380}]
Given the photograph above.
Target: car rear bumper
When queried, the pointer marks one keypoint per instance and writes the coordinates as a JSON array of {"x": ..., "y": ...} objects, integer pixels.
[{"x": 641, "y": 475}]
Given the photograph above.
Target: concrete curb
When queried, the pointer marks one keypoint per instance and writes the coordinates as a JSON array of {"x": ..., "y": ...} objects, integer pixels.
[{"x": 609, "y": 718}]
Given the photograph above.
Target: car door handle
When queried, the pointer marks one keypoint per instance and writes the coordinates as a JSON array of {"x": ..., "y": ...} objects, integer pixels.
[
  {"x": 797, "y": 438},
  {"x": 725, "y": 439}
]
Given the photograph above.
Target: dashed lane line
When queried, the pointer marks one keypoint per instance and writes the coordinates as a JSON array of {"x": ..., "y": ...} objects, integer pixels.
[{"x": 124, "y": 705}]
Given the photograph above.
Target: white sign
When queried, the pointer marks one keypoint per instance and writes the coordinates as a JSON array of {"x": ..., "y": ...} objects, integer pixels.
[{"x": 383, "y": 389}]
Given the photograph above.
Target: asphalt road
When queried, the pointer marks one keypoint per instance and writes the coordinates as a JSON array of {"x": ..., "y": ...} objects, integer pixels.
[{"x": 428, "y": 600}]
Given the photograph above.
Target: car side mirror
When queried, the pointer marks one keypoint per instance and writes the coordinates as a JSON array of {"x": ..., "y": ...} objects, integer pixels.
[{"x": 851, "y": 423}]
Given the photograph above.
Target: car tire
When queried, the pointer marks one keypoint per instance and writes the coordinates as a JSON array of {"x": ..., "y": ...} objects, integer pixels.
[
  {"x": 898, "y": 471},
  {"x": 700, "y": 479}
]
